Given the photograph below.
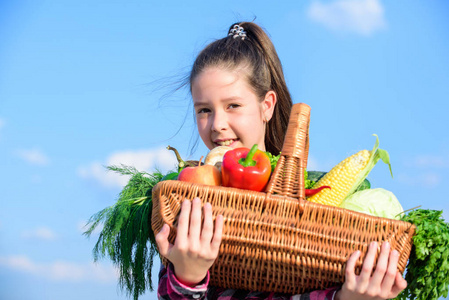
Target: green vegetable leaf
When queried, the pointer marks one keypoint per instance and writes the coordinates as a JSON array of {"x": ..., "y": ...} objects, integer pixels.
[
  {"x": 375, "y": 155},
  {"x": 385, "y": 157},
  {"x": 428, "y": 268},
  {"x": 127, "y": 237},
  {"x": 308, "y": 184},
  {"x": 273, "y": 159},
  {"x": 376, "y": 202}
]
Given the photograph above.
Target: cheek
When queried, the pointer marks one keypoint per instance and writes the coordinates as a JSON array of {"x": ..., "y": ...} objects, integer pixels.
[
  {"x": 204, "y": 131},
  {"x": 248, "y": 130},
  {"x": 201, "y": 125},
  {"x": 253, "y": 132}
]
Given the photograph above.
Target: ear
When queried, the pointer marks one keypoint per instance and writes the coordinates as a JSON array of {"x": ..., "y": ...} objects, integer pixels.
[{"x": 268, "y": 104}]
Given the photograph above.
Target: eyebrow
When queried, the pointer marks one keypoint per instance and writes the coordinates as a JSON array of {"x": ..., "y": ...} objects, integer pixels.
[
  {"x": 199, "y": 104},
  {"x": 228, "y": 99}
]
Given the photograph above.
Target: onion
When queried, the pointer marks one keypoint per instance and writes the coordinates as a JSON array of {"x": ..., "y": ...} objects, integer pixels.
[{"x": 215, "y": 156}]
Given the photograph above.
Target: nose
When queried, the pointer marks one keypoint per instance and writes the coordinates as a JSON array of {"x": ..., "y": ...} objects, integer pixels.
[{"x": 219, "y": 122}]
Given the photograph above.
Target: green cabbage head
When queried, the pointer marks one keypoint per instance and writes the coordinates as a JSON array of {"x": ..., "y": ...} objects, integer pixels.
[{"x": 376, "y": 202}]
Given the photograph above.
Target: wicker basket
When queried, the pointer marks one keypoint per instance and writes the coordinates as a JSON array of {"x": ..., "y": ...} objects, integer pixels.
[{"x": 278, "y": 241}]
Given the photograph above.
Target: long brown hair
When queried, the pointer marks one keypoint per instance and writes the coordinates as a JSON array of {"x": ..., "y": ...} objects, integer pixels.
[{"x": 256, "y": 53}]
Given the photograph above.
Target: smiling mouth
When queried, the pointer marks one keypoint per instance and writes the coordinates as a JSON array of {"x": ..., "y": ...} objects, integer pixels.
[{"x": 225, "y": 142}]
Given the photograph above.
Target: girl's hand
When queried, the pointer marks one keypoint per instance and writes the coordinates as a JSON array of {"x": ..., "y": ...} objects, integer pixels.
[
  {"x": 385, "y": 283},
  {"x": 196, "y": 245}
]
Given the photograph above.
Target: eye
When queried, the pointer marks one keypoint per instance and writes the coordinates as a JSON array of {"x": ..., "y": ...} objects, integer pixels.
[
  {"x": 203, "y": 110},
  {"x": 234, "y": 105}
]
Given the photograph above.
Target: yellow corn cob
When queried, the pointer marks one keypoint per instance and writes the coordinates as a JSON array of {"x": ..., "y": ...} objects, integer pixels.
[{"x": 341, "y": 179}]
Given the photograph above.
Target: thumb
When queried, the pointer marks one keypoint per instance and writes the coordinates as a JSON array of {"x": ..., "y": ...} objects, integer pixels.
[{"x": 162, "y": 240}]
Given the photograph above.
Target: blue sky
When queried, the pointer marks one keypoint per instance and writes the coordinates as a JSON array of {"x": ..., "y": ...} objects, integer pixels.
[{"x": 81, "y": 84}]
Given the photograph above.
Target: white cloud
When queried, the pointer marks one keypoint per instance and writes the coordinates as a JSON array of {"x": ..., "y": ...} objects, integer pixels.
[
  {"x": 34, "y": 156},
  {"x": 359, "y": 16},
  {"x": 40, "y": 233},
  {"x": 143, "y": 160},
  {"x": 61, "y": 270}
]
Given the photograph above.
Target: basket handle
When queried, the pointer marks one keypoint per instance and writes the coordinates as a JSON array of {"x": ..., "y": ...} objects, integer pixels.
[{"x": 288, "y": 176}]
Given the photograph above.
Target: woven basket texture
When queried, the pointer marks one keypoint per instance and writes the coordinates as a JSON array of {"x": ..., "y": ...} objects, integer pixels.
[{"x": 276, "y": 240}]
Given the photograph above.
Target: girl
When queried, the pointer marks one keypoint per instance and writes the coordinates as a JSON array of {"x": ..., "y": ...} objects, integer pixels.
[{"x": 240, "y": 99}]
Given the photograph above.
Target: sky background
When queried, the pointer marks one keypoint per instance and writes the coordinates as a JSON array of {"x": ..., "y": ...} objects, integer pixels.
[{"x": 85, "y": 84}]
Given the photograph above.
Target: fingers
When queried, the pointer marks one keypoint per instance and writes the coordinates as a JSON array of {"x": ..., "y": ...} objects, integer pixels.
[
  {"x": 381, "y": 267},
  {"x": 208, "y": 225},
  {"x": 195, "y": 235},
  {"x": 350, "y": 279},
  {"x": 210, "y": 238},
  {"x": 162, "y": 240},
  {"x": 216, "y": 241},
  {"x": 399, "y": 285},
  {"x": 393, "y": 280},
  {"x": 391, "y": 271},
  {"x": 385, "y": 283},
  {"x": 367, "y": 268},
  {"x": 195, "y": 222},
  {"x": 183, "y": 223}
]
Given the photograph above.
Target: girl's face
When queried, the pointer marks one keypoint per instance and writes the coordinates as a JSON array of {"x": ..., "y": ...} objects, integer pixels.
[{"x": 227, "y": 110}]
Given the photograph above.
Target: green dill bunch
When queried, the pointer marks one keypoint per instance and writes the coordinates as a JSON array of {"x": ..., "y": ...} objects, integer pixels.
[{"x": 127, "y": 237}]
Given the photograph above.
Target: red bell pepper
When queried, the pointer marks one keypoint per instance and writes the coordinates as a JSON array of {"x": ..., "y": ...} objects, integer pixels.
[{"x": 246, "y": 169}]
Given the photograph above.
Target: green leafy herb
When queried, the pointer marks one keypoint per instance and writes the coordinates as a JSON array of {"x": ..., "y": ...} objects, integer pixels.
[
  {"x": 308, "y": 184},
  {"x": 273, "y": 160},
  {"x": 127, "y": 237},
  {"x": 428, "y": 267}
]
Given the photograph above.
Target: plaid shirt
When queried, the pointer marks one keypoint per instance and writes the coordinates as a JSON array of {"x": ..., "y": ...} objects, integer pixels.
[{"x": 171, "y": 289}]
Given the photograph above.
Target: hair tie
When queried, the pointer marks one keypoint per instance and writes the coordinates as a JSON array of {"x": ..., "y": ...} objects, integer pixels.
[{"x": 237, "y": 31}]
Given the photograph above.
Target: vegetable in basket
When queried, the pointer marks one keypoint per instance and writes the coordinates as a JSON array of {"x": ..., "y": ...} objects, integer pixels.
[
  {"x": 311, "y": 192},
  {"x": 182, "y": 163},
  {"x": 126, "y": 237},
  {"x": 376, "y": 202},
  {"x": 428, "y": 266},
  {"x": 245, "y": 168},
  {"x": 128, "y": 240},
  {"x": 215, "y": 156},
  {"x": 345, "y": 178},
  {"x": 312, "y": 177},
  {"x": 202, "y": 174}
]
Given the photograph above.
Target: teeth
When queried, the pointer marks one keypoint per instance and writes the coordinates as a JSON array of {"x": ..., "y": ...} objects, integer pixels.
[{"x": 225, "y": 143}]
